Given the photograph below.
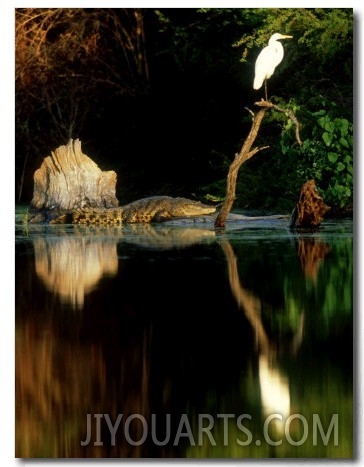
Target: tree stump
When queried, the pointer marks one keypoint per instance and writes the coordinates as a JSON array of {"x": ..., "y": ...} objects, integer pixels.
[
  {"x": 68, "y": 179},
  {"x": 310, "y": 209}
]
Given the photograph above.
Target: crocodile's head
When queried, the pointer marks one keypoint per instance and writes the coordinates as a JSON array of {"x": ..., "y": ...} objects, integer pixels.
[{"x": 185, "y": 207}]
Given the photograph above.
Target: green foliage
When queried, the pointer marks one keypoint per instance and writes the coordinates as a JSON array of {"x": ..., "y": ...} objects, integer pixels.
[
  {"x": 321, "y": 33},
  {"x": 319, "y": 57},
  {"x": 326, "y": 155}
]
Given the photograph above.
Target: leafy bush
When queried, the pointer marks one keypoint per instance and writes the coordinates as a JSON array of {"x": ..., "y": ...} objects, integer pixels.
[{"x": 326, "y": 156}]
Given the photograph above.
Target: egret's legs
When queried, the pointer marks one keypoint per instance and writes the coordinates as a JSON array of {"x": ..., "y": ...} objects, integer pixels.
[{"x": 265, "y": 87}]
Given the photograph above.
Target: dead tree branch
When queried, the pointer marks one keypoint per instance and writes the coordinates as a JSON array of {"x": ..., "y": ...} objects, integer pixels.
[
  {"x": 288, "y": 112},
  {"x": 246, "y": 153}
]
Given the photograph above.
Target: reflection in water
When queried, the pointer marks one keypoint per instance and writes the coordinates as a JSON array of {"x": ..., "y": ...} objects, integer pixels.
[
  {"x": 72, "y": 266},
  {"x": 165, "y": 237},
  {"x": 57, "y": 384},
  {"x": 274, "y": 386},
  {"x": 311, "y": 252},
  {"x": 137, "y": 350},
  {"x": 274, "y": 391},
  {"x": 50, "y": 389}
]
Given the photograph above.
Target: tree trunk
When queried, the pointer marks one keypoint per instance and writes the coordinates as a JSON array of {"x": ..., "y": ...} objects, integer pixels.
[{"x": 68, "y": 179}]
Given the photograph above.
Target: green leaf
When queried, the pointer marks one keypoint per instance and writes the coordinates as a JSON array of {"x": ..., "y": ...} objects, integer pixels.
[
  {"x": 340, "y": 167},
  {"x": 327, "y": 138},
  {"x": 319, "y": 113},
  {"x": 330, "y": 127},
  {"x": 344, "y": 126},
  {"x": 306, "y": 144},
  {"x": 344, "y": 143},
  {"x": 323, "y": 121},
  {"x": 340, "y": 189},
  {"x": 332, "y": 156}
]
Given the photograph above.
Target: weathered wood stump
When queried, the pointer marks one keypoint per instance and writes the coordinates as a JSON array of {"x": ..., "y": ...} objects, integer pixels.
[
  {"x": 310, "y": 209},
  {"x": 68, "y": 179}
]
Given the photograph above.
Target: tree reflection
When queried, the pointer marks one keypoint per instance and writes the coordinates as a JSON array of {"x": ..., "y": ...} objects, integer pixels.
[
  {"x": 58, "y": 383},
  {"x": 274, "y": 384},
  {"x": 72, "y": 266}
]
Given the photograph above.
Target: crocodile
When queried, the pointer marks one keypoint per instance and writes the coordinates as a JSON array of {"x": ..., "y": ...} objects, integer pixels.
[{"x": 146, "y": 210}]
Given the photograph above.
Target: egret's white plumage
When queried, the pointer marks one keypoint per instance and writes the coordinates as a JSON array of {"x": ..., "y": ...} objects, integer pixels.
[{"x": 268, "y": 59}]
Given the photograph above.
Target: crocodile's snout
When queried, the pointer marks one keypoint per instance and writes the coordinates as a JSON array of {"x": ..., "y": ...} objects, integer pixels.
[{"x": 192, "y": 208}]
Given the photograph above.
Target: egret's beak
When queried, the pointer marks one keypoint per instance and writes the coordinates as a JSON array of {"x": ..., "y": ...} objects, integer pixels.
[{"x": 286, "y": 37}]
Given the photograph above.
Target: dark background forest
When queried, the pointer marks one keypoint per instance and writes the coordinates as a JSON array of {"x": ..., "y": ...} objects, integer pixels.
[{"x": 162, "y": 96}]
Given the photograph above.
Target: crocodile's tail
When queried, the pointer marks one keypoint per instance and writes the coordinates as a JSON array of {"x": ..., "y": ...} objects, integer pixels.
[
  {"x": 89, "y": 216},
  {"x": 65, "y": 218}
]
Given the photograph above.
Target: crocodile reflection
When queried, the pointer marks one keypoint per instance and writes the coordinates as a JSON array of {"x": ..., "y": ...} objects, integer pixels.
[{"x": 165, "y": 237}]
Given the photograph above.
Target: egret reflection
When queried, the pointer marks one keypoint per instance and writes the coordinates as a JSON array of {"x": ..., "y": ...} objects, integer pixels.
[
  {"x": 274, "y": 384},
  {"x": 274, "y": 391}
]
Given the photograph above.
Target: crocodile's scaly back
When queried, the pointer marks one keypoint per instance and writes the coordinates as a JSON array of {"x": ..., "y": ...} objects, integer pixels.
[
  {"x": 146, "y": 210},
  {"x": 161, "y": 208}
]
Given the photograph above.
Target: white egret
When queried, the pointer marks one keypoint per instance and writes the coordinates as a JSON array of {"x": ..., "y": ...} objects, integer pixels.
[{"x": 267, "y": 60}]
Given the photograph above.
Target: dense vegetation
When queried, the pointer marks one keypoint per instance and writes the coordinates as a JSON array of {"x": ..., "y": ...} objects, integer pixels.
[{"x": 161, "y": 96}]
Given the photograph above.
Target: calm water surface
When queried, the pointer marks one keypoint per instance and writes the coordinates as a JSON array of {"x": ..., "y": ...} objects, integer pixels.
[{"x": 182, "y": 331}]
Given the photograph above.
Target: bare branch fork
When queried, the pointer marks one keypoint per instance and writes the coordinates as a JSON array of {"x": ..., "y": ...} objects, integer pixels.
[
  {"x": 288, "y": 112},
  {"x": 246, "y": 153}
]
